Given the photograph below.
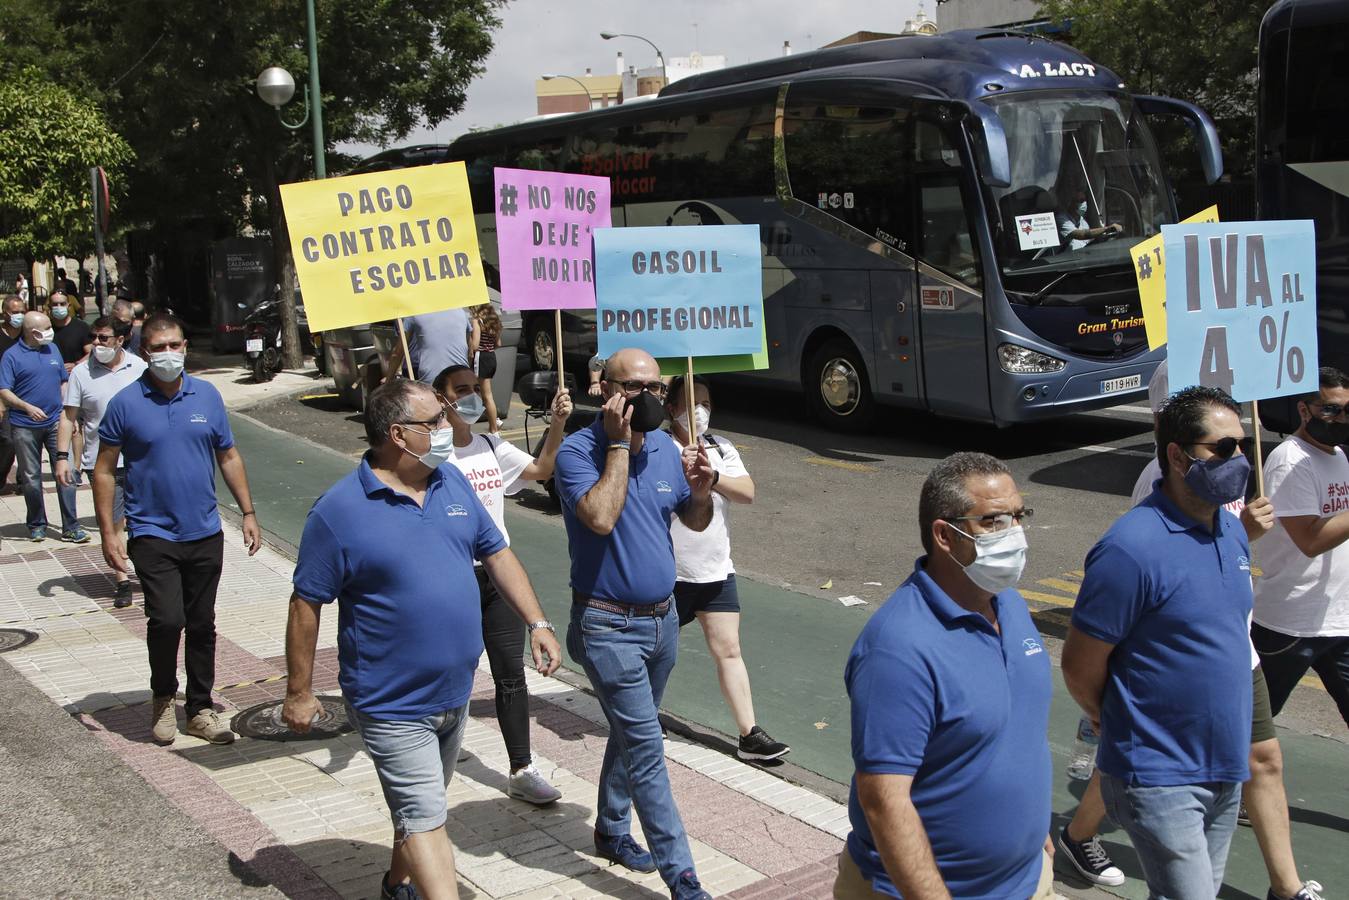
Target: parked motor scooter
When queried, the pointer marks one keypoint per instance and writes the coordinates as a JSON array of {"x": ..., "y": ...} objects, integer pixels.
[{"x": 262, "y": 340}]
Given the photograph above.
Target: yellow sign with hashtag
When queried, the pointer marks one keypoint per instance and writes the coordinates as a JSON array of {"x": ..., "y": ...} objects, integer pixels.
[
  {"x": 384, "y": 245},
  {"x": 1150, "y": 270}
]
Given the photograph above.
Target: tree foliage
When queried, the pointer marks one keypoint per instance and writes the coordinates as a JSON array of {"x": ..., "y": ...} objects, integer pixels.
[
  {"x": 49, "y": 139},
  {"x": 1203, "y": 51}
]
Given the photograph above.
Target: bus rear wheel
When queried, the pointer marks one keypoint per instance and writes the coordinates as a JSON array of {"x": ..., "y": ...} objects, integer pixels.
[{"x": 836, "y": 387}]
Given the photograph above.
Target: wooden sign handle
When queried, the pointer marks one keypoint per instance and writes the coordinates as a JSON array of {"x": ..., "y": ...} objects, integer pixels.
[
  {"x": 1259, "y": 461},
  {"x": 407, "y": 357},
  {"x": 688, "y": 399}
]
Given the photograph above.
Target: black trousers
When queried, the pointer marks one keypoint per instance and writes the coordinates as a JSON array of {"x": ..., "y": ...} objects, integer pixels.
[
  {"x": 503, "y": 634},
  {"x": 179, "y": 581}
]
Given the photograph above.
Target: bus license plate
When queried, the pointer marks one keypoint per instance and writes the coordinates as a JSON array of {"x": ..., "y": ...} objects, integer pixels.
[
  {"x": 1115, "y": 385},
  {"x": 253, "y": 345}
]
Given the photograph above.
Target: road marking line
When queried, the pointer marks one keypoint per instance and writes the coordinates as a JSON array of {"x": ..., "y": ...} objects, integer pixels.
[
  {"x": 1055, "y": 599},
  {"x": 1133, "y": 409},
  {"x": 840, "y": 464},
  {"x": 1060, "y": 584},
  {"x": 1099, "y": 448},
  {"x": 319, "y": 396}
]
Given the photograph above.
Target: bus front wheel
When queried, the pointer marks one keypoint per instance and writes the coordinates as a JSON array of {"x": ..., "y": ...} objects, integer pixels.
[{"x": 837, "y": 389}]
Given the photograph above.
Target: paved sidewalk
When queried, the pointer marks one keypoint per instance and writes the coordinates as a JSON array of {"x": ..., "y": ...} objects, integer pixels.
[{"x": 307, "y": 817}]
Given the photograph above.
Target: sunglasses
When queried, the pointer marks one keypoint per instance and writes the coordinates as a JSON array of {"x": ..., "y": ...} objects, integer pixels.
[
  {"x": 1327, "y": 411},
  {"x": 1223, "y": 449}
]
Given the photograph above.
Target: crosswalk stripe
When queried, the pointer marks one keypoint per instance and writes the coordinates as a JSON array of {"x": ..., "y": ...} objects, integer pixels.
[
  {"x": 1055, "y": 599},
  {"x": 1059, "y": 584}
]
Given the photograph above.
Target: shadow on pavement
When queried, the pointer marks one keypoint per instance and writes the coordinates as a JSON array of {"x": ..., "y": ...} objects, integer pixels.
[
  {"x": 1319, "y": 818},
  {"x": 1106, "y": 473}
]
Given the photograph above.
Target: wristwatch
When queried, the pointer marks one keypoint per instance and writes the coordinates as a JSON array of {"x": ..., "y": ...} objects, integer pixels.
[{"x": 542, "y": 623}]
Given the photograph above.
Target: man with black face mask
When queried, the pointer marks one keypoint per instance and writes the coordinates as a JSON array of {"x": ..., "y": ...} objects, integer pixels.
[
  {"x": 620, "y": 481},
  {"x": 1302, "y": 602},
  {"x": 1157, "y": 654}
]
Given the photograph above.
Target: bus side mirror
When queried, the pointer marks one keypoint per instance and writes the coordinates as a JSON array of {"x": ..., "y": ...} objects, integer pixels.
[
  {"x": 1205, "y": 133},
  {"x": 990, "y": 143}
]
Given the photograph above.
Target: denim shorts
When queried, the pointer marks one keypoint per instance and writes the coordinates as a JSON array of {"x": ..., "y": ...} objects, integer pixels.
[
  {"x": 713, "y": 596},
  {"x": 415, "y": 762},
  {"x": 118, "y": 492}
]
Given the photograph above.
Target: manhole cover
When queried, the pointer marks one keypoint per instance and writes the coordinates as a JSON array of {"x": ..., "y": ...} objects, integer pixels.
[
  {"x": 14, "y": 638},
  {"x": 264, "y": 722}
]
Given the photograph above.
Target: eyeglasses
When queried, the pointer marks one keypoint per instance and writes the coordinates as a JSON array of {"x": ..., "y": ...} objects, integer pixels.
[
  {"x": 439, "y": 421},
  {"x": 658, "y": 388},
  {"x": 1327, "y": 411},
  {"x": 997, "y": 521},
  {"x": 1224, "y": 448}
]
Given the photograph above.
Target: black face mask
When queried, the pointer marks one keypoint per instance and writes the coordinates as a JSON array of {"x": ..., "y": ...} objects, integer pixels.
[
  {"x": 1331, "y": 433},
  {"x": 647, "y": 412}
]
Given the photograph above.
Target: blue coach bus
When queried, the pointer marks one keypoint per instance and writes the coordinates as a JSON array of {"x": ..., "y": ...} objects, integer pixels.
[
  {"x": 910, "y": 195},
  {"x": 1302, "y": 168}
]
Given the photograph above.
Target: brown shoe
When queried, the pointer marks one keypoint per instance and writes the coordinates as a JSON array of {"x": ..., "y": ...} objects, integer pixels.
[
  {"x": 163, "y": 721},
  {"x": 208, "y": 726}
]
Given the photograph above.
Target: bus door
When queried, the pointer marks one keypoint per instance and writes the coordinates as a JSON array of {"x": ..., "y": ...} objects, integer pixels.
[
  {"x": 894, "y": 331},
  {"x": 951, "y": 314}
]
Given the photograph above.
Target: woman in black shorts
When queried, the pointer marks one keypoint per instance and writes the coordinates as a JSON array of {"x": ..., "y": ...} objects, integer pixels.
[{"x": 705, "y": 577}]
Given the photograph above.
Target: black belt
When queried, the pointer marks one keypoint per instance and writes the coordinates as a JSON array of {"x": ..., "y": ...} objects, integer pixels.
[{"x": 622, "y": 609}]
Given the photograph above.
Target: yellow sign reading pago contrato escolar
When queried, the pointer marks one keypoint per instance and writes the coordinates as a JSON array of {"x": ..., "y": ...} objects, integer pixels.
[{"x": 383, "y": 245}]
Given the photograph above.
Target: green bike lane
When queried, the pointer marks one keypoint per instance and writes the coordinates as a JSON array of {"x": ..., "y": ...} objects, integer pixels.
[{"x": 795, "y": 647}]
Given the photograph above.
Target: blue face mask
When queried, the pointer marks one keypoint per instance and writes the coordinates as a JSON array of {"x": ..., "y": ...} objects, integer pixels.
[
  {"x": 16, "y": 320},
  {"x": 1219, "y": 481},
  {"x": 470, "y": 408}
]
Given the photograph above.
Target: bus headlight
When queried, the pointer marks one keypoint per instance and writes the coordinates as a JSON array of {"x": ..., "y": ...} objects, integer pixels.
[{"x": 1017, "y": 360}]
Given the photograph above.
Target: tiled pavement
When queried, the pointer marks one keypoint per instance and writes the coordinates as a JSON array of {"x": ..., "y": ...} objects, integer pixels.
[{"x": 308, "y": 816}]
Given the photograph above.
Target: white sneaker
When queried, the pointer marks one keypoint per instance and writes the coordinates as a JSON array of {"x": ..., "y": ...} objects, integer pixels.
[{"x": 530, "y": 786}]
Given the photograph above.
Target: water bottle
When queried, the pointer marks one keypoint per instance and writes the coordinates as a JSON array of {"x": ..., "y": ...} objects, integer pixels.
[{"x": 1084, "y": 751}]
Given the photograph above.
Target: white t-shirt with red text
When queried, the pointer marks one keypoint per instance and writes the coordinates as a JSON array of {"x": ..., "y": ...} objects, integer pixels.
[
  {"x": 492, "y": 466},
  {"x": 1299, "y": 596}
]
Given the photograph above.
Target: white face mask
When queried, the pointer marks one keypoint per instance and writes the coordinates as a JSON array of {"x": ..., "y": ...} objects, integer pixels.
[
  {"x": 167, "y": 365},
  {"x": 702, "y": 416},
  {"x": 1082, "y": 209},
  {"x": 46, "y": 337},
  {"x": 441, "y": 449},
  {"x": 999, "y": 559},
  {"x": 104, "y": 354}
]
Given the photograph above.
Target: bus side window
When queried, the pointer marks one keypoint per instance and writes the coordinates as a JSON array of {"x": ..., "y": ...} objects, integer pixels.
[
  {"x": 946, "y": 242},
  {"x": 852, "y": 162}
]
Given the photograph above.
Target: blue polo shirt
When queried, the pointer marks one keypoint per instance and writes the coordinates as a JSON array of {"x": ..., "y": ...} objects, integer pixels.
[
  {"x": 937, "y": 693},
  {"x": 634, "y": 563},
  {"x": 169, "y": 446},
  {"x": 409, "y": 616},
  {"x": 1173, "y": 598},
  {"x": 36, "y": 376}
]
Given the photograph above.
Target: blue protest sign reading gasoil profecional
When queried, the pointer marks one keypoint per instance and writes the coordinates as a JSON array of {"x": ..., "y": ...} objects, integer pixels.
[
  {"x": 1241, "y": 310},
  {"x": 679, "y": 291}
]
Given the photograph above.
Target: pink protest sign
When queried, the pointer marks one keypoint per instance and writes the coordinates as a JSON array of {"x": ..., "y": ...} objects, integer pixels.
[{"x": 545, "y": 246}]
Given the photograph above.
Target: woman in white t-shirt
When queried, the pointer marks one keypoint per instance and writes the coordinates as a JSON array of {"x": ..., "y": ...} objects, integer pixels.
[
  {"x": 495, "y": 467},
  {"x": 705, "y": 586}
]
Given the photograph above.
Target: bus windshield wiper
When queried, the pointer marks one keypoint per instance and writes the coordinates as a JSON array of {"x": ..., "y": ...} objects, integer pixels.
[{"x": 1039, "y": 295}]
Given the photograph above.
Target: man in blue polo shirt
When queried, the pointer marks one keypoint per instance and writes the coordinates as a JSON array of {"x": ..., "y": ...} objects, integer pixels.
[
  {"x": 950, "y": 687},
  {"x": 409, "y": 617},
  {"x": 32, "y": 380},
  {"x": 620, "y": 481},
  {"x": 171, "y": 432},
  {"x": 1158, "y": 652}
]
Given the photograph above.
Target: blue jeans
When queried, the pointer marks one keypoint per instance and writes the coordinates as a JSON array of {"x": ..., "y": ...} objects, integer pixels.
[
  {"x": 414, "y": 761},
  {"x": 28, "y": 446},
  {"x": 1181, "y": 833},
  {"x": 628, "y": 660}
]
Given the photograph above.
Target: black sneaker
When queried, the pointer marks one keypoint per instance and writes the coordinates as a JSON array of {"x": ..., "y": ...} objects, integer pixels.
[
  {"x": 1090, "y": 859},
  {"x": 123, "y": 598},
  {"x": 758, "y": 745}
]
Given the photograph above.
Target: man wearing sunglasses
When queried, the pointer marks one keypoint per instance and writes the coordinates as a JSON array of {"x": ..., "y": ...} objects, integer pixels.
[
  {"x": 950, "y": 687},
  {"x": 93, "y": 383},
  {"x": 620, "y": 481},
  {"x": 1302, "y": 600},
  {"x": 1164, "y": 603}
]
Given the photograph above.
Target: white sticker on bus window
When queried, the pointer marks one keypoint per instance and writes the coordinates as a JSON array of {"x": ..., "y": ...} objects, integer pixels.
[
  {"x": 847, "y": 200},
  {"x": 1037, "y": 230}
]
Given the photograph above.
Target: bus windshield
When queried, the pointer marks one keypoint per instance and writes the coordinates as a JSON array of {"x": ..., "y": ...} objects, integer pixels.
[{"x": 1080, "y": 163}]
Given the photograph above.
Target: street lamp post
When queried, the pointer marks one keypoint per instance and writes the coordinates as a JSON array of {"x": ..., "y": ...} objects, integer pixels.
[
  {"x": 276, "y": 86},
  {"x": 590, "y": 100},
  {"x": 610, "y": 35}
]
